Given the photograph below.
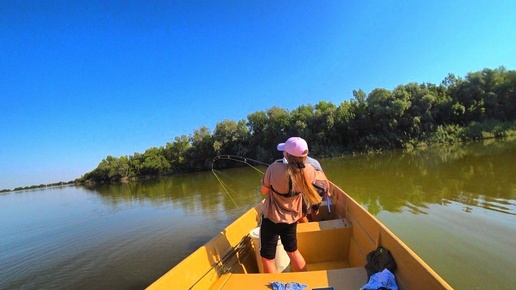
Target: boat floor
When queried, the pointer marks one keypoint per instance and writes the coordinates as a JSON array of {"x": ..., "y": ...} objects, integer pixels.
[{"x": 348, "y": 278}]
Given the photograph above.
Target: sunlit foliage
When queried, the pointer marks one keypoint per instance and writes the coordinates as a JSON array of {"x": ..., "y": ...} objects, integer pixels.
[{"x": 482, "y": 105}]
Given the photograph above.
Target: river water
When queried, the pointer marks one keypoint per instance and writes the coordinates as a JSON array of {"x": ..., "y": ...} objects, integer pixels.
[{"x": 455, "y": 206}]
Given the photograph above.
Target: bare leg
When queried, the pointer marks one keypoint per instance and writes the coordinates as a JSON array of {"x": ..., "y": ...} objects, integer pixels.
[
  {"x": 269, "y": 266},
  {"x": 297, "y": 261}
]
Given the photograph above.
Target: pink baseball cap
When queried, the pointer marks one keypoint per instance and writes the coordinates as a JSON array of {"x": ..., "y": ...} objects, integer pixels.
[{"x": 295, "y": 146}]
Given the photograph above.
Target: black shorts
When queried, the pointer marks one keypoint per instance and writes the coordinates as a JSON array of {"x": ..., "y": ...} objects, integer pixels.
[{"x": 269, "y": 233}]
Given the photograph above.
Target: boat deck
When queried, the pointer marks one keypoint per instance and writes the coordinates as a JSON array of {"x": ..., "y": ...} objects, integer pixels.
[
  {"x": 325, "y": 267},
  {"x": 334, "y": 246},
  {"x": 349, "y": 278}
]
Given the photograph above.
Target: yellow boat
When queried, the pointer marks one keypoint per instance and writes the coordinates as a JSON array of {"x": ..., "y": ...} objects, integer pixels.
[{"x": 334, "y": 248}]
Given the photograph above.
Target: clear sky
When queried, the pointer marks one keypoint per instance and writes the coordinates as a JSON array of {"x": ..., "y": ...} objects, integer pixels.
[{"x": 81, "y": 80}]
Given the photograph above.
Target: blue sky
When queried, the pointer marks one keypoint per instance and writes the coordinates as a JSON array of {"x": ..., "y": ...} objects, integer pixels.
[{"x": 81, "y": 80}]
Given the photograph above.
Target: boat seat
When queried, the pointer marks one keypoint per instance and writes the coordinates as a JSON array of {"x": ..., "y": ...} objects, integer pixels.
[
  {"x": 323, "y": 225},
  {"x": 349, "y": 278},
  {"x": 325, "y": 244}
]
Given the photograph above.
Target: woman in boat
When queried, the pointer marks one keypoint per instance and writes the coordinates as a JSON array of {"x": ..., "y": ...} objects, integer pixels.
[
  {"x": 285, "y": 185},
  {"x": 322, "y": 184}
]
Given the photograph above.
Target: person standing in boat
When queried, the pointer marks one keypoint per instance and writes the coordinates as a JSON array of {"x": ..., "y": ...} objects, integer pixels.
[
  {"x": 285, "y": 185},
  {"x": 312, "y": 211}
]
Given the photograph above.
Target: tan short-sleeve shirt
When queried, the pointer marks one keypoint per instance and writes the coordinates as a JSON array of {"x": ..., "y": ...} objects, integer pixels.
[{"x": 277, "y": 208}]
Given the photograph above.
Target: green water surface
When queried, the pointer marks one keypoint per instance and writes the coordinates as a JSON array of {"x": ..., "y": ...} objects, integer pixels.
[{"x": 455, "y": 206}]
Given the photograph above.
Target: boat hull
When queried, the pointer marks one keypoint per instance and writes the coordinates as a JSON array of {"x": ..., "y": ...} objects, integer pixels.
[{"x": 335, "y": 249}]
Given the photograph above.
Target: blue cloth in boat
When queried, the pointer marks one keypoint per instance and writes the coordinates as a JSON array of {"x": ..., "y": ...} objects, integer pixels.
[
  {"x": 287, "y": 286},
  {"x": 381, "y": 280}
]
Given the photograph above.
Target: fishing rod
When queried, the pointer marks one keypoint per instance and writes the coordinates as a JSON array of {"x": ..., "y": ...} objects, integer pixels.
[
  {"x": 236, "y": 158},
  {"x": 239, "y": 159},
  {"x": 246, "y": 161}
]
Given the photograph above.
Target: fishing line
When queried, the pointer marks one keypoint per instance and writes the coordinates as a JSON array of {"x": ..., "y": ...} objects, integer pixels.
[
  {"x": 235, "y": 158},
  {"x": 246, "y": 161},
  {"x": 240, "y": 159}
]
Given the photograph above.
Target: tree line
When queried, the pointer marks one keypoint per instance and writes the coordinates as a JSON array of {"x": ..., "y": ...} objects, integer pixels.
[
  {"x": 40, "y": 186},
  {"x": 480, "y": 105}
]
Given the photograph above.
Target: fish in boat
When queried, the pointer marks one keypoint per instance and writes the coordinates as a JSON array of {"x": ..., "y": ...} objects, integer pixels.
[{"x": 335, "y": 249}]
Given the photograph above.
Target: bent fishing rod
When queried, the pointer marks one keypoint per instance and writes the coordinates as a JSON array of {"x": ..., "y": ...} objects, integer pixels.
[
  {"x": 246, "y": 161},
  {"x": 236, "y": 158}
]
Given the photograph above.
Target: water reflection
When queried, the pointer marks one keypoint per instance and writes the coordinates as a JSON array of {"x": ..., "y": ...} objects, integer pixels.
[
  {"x": 191, "y": 193},
  {"x": 479, "y": 174},
  {"x": 476, "y": 175},
  {"x": 126, "y": 236}
]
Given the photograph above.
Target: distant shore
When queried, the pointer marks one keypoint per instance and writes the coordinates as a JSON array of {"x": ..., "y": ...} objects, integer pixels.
[{"x": 61, "y": 183}]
